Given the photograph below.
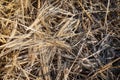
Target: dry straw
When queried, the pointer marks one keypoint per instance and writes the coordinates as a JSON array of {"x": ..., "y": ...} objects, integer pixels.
[{"x": 59, "y": 40}]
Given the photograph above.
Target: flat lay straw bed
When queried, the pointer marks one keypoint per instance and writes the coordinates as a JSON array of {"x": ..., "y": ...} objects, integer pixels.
[{"x": 59, "y": 40}]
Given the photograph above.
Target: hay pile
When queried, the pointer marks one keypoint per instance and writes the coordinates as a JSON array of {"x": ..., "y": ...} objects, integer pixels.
[{"x": 59, "y": 40}]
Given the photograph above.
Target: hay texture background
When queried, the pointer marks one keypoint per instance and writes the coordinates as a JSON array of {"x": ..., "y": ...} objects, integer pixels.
[{"x": 59, "y": 40}]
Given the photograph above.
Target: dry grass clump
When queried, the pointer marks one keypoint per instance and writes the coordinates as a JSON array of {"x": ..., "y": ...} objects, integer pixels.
[{"x": 59, "y": 40}]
